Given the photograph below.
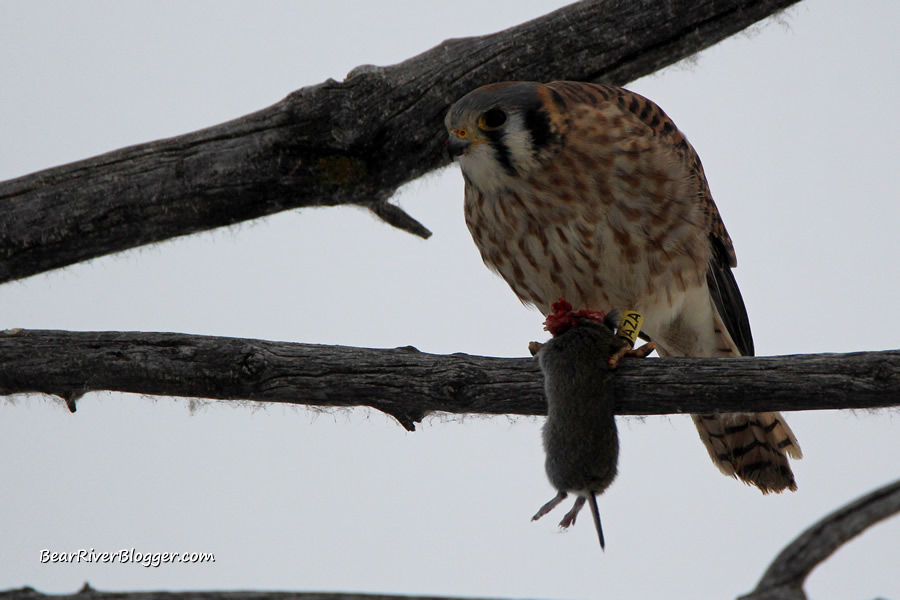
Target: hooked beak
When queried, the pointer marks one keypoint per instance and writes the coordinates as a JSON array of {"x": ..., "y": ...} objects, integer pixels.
[{"x": 456, "y": 146}]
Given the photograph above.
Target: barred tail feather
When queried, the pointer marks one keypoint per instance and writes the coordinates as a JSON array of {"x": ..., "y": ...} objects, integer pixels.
[{"x": 752, "y": 447}]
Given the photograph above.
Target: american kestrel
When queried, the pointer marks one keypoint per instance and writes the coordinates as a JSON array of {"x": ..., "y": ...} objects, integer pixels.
[{"x": 590, "y": 193}]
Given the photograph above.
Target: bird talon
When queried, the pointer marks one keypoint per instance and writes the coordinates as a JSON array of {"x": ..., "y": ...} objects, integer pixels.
[
  {"x": 624, "y": 351},
  {"x": 551, "y": 144}
]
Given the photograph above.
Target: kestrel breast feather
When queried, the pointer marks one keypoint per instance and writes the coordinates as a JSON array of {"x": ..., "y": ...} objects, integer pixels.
[{"x": 591, "y": 193}]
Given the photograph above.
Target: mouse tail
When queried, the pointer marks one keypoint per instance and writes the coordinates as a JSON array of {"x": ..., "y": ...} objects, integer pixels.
[{"x": 595, "y": 512}]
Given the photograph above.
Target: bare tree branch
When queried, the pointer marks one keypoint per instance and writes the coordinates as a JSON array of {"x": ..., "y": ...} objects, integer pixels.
[
  {"x": 350, "y": 142},
  {"x": 409, "y": 384},
  {"x": 782, "y": 581},
  {"x": 88, "y": 593},
  {"x": 784, "y": 578}
]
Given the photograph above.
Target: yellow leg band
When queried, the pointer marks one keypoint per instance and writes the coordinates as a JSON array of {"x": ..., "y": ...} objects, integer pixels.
[{"x": 630, "y": 326}]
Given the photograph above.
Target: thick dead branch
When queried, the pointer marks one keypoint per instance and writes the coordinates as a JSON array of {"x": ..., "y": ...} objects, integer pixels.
[
  {"x": 350, "y": 142},
  {"x": 784, "y": 578},
  {"x": 782, "y": 581},
  {"x": 409, "y": 384},
  {"x": 88, "y": 593}
]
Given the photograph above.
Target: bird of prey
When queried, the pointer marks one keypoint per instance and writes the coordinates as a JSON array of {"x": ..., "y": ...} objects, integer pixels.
[{"x": 590, "y": 193}]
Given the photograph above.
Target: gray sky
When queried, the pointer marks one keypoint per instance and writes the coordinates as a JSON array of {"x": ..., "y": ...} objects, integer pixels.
[{"x": 797, "y": 128}]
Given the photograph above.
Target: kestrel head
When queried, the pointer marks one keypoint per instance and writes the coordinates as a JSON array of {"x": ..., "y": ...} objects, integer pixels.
[{"x": 504, "y": 130}]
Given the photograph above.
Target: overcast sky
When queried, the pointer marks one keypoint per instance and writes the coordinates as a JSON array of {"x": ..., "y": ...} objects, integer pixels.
[{"x": 797, "y": 127}]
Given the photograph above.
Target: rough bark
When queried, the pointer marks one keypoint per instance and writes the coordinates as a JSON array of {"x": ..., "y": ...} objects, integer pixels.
[
  {"x": 349, "y": 142},
  {"x": 409, "y": 384},
  {"x": 784, "y": 578}
]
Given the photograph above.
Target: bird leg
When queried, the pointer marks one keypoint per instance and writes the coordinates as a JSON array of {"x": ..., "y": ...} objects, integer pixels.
[
  {"x": 569, "y": 519},
  {"x": 633, "y": 352},
  {"x": 629, "y": 329},
  {"x": 549, "y": 506}
]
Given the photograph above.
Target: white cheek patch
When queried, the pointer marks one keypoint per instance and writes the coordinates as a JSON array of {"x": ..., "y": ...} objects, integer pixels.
[
  {"x": 519, "y": 144},
  {"x": 481, "y": 167}
]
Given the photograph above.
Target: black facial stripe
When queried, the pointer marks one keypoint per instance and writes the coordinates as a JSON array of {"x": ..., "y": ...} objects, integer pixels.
[
  {"x": 538, "y": 123},
  {"x": 500, "y": 150}
]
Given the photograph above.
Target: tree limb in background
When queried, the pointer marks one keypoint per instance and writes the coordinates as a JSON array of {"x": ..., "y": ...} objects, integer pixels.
[
  {"x": 350, "y": 142},
  {"x": 88, "y": 593},
  {"x": 782, "y": 581},
  {"x": 409, "y": 384},
  {"x": 784, "y": 578}
]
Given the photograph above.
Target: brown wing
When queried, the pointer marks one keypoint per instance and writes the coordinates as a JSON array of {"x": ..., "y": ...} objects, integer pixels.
[{"x": 722, "y": 285}]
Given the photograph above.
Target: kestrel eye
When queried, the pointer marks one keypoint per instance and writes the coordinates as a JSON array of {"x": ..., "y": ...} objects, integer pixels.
[{"x": 492, "y": 119}]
